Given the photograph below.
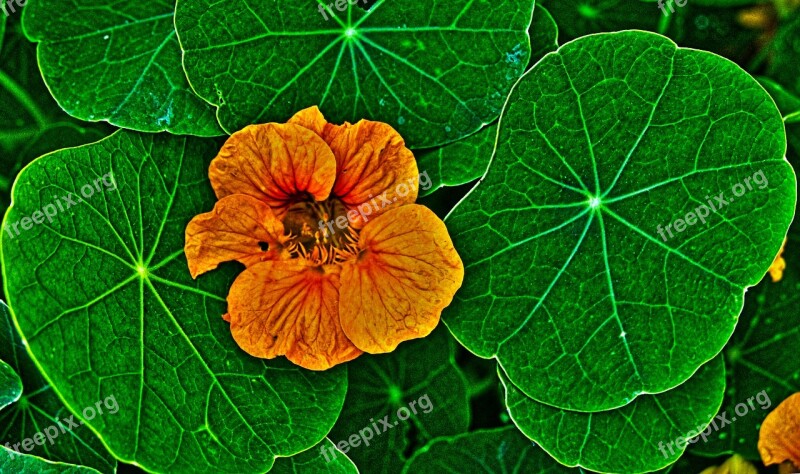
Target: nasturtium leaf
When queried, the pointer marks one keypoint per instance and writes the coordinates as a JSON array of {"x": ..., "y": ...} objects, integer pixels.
[
  {"x": 10, "y": 385},
  {"x": 313, "y": 461},
  {"x": 38, "y": 408},
  {"x": 639, "y": 437},
  {"x": 419, "y": 380},
  {"x": 543, "y": 33},
  {"x": 436, "y": 71},
  {"x": 35, "y": 124},
  {"x": 496, "y": 451},
  {"x": 466, "y": 160},
  {"x": 583, "y": 277},
  {"x": 13, "y": 463},
  {"x": 119, "y": 62},
  {"x": 105, "y": 301},
  {"x": 761, "y": 371}
]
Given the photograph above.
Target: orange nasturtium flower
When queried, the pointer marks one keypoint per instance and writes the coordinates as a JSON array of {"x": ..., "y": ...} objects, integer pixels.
[
  {"x": 779, "y": 437},
  {"x": 339, "y": 260}
]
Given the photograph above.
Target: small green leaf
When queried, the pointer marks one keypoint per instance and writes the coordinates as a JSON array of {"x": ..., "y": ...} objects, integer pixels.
[
  {"x": 496, "y": 451},
  {"x": 436, "y": 71},
  {"x": 119, "y": 62},
  {"x": 103, "y": 296},
  {"x": 639, "y": 437},
  {"x": 314, "y": 461},
  {"x": 10, "y": 385},
  {"x": 38, "y": 408},
  {"x": 13, "y": 463},
  {"x": 419, "y": 381},
  {"x": 575, "y": 262}
]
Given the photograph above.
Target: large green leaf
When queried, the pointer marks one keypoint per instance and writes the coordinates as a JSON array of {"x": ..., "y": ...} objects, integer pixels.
[
  {"x": 420, "y": 376},
  {"x": 12, "y": 463},
  {"x": 10, "y": 385},
  {"x": 466, "y": 160},
  {"x": 436, "y": 71},
  {"x": 572, "y": 281},
  {"x": 39, "y": 408},
  {"x": 119, "y": 62},
  {"x": 639, "y": 437},
  {"x": 104, "y": 298},
  {"x": 496, "y": 451},
  {"x": 314, "y": 461}
]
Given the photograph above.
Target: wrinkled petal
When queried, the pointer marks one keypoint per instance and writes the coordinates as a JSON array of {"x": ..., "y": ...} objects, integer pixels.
[
  {"x": 312, "y": 119},
  {"x": 275, "y": 163},
  {"x": 240, "y": 228},
  {"x": 375, "y": 170},
  {"x": 289, "y": 308},
  {"x": 407, "y": 273},
  {"x": 779, "y": 438}
]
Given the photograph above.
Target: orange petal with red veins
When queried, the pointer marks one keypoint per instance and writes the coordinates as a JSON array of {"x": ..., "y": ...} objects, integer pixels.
[
  {"x": 238, "y": 229},
  {"x": 779, "y": 438},
  {"x": 275, "y": 163},
  {"x": 289, "y": 308},
  {"x": 312, "y": 119},
  {"x": 375, "y": 170},
  {"x": 407, "y": 274}
]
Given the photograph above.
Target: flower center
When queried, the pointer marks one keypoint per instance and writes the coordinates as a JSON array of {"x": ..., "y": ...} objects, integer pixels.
[{"x": 320, "y": 232}]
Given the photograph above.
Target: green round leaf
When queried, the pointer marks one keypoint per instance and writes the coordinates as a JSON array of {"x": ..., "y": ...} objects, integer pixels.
[
  {"x": 10, "y": 385},
  {"x": 313, "y": 461},
  {"x": 38, "y": 407},
  {"x": 119, "y": 62},
  {"x": 583, "y": 277},
  {"x": 13, "y": 463},
  {"x": 420, "y": 377},
  {"x": 435, "y": 71},
  {"x": 104, "y": 298},
  {"x": 497, "y": 451},
  {"x": 639, "y": 437}
]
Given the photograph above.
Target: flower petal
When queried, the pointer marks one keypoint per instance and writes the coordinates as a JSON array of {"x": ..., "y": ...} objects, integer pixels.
[
  {"x": 371, "y": 161},
  {"x": 407, "y": 274},
  {"x": 312, "y": 119},
  {"x": 276, "y": 163},
  {"x": 237, "y": 229},
  {"x": 779, "y": 438},
  {"x": 290, "y": 308}
]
